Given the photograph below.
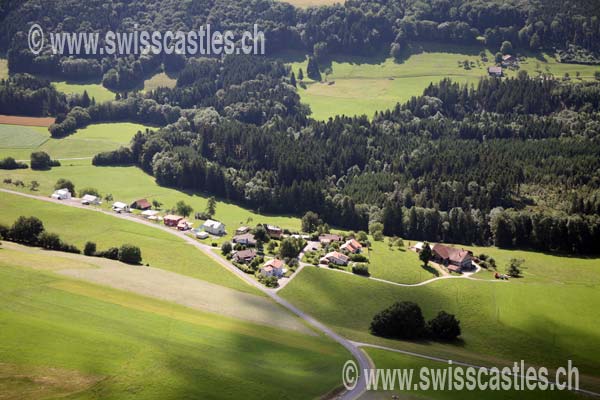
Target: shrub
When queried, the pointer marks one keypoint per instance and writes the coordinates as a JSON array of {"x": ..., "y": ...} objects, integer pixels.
[
  {"x": 11, "y": 163},
  {"x": 112, "y": 253},
  {"x": 63, "y": 183},
  {"x": 90, "y": 190},
  {"x": 26, "y": 230},
  {"x": 89, "y": 249},
  {"x": 121, "y": 156},
  {"x": 402, "y": 320},
  {"x": 444, "y": 327},
  {"x": 40, "y": 160},
  {"x": 130, "y": 254},
  {"x": 359, "y": 258},
  {"x": 268, "y": 281},
  {"x": 50, "y": 241},
  {"x": 360, "y": 269},
  {"x": 226, "y": 248}
]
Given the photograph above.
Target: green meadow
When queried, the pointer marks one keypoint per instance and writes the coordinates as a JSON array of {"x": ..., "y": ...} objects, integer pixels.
[
  {"x": 159, "y": 80},
  {"x": 544, "y": 321},
  {"x": 390, "y": 360},
  {"x": 3, "y": 68},
  {"x": 159, "y": 249},
  {"x": 19, "y": 141},
  {"x": 359, "y": 85},
  {"x": 95, "y": 90},
  {"x": 63, "y": 338}
]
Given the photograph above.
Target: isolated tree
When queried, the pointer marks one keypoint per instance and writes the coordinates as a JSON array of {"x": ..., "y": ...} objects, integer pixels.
[
  {"x": 310, "y": 222},
  {"x": 498, "y": 58},
  {"x": 85, "y": 99},
  {"x": 183, "y": 209},
  {"x": 130, "y": 254},
  {"x": 515, "y": 268},
  {"x": 402, "y": 320},
  {"x": 63, "y": 183},
  {"x": 376, "y": 230},
  {"x": 312, "y": 70},
  {"x": 226, "y": 248},
  {"x": 34, "y": 185},
  {"x": 40, "y": 160},
  {"x": 89, "y": 249},
  {"x": 211, "y": 206},
  {"x": 426, "y": 254},
  {"x": 290, "y": 247},
  {"x": 293, "y": 79},
  {"x": 156, "y": 204},
  {"x": 506, "y": 47},
  {"x": 91, "y": 191},
  {"x": 444, "y": 327}
]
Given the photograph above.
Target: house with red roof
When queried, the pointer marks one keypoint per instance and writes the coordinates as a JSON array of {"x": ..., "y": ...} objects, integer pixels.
[
  {"x": 273, "y": 267},
  {"x": 352, "y": 246},
  {"x": 334, "y": 257},
  {"x": 454, "y": 259}
]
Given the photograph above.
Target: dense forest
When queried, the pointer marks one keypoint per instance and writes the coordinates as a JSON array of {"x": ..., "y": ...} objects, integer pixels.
[{"x": 357, "y": 27}]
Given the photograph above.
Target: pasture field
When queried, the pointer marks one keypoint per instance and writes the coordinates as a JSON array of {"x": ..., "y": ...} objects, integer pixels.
[
  {"x": 131, "y": 183},
  {"x": 3, "y": 68},
  {"x": 67, "y": 338},
  {"x": 543, "y": 321},
  {"x": 396, "y": 265},
  {"x": 159, "y": 80},
  {"x": 95, "y": 90},
  {"x": 159, "y": 249},
  {"x": 22, "y": 137},
  {"x": 390, "y": 360},
  {"x": 359, "y": 85},
  {"x": 85, "y": 142}
]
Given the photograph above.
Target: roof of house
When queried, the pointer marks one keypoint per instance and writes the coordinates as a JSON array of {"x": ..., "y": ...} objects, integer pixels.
[
  {"x": 212, "y": 224},
  {"x": 275, "y": 263},
  {"x": 352, "y": 245},
  {"x": 244, "y": 254},
  {"x": 451, "y": 253},
  {"x": 330, "y": 237},
  {"x": 338, "y": 255},
  {"x": 150, "y": 213},
  {"x": 89, "y": 197},
  {"x": 171, "y": 217},
  {"x": 495, "y": 70},
  {"x": 242, "y": 229},
  {"x": 142, "y": 203},
  {"x": 507, "y": 57},
  {"x": 273, "y": 228},
  {"x": 248, "y": 237},
  {"x": 118, "y": 204}
]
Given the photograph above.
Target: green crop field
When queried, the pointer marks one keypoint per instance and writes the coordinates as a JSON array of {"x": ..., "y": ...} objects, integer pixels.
[
  {"x": 95, "y": 90},
  {"x": 358, "y": 85},
  {"x": 390, "y": 360},
  {"x": 22, "y": 137},
  {"x": 544, "y": 321},
  {"x": 85, "y": 142},
  {"x": 159, "y": 80},
  {"x": 159, "y": 249},
  {"x": 66, "y": 338},
  {"x": 130, "y": 183}
]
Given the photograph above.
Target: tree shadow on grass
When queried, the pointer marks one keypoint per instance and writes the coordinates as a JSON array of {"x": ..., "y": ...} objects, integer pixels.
[{"x": 431, "y": 270}]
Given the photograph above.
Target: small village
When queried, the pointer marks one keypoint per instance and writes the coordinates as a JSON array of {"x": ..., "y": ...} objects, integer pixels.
[{"x": 273, "y": 254}]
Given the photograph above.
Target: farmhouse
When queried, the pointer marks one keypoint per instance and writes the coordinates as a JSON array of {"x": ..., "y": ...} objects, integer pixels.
[
  {"x": 88, "y": 199},
  {"x": 244, "y": 256},
  {"x": 495, "y": 71},
  {"x": 273, "y": 267},
  {"x": 454, "y": 259},
  {"x": 509, "y": 60},
  {"x": 141, "y": 204},
  {"x": 61, "y": 194},
  {"x": 214, "y": 227},
  {"x": 120, "y": 207},
  {"x": 335, "y": 257},
  {"x": 172, "y": 220},
  {"x": 274, "y": 232},
  {"x": 328, "y": 238},
  {"x": 246, "y": 239},
  {"x": 352, "y": 246}
]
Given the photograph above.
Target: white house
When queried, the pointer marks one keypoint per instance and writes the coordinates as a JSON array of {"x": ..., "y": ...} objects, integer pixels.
[
  {"x": 61, "y": 194},
  {"x": 120, "y": 207},
  {"x": 214, "y": 227},
  {"x": 90, "y": 199},
  {"x": 335, "y": 257}
]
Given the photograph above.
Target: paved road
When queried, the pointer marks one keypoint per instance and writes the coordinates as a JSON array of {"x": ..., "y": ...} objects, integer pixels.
[{"x": 362, "y": 359}]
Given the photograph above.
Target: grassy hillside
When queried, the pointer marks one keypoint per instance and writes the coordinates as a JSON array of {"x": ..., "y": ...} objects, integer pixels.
[
  {"x": 391, "y": 360},
  {"x": 130, "y": 183},
  {"x": 358, "y": 85},
  {"x": 159, "y": 249},
  {"x": 16, "y": 141},
  {"x": 62, "y": 337},
  {"x": 159, "y": 80},
  {"x": 545, "y": 321}
]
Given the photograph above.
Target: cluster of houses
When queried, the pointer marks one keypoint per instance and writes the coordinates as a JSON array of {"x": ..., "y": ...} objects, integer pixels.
[
  {"x": 454, "y": 259},
  {"x": 508, "y": 61},
  {"x": 244, "y": 237},
  {"x": 341, "y": 258}
]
